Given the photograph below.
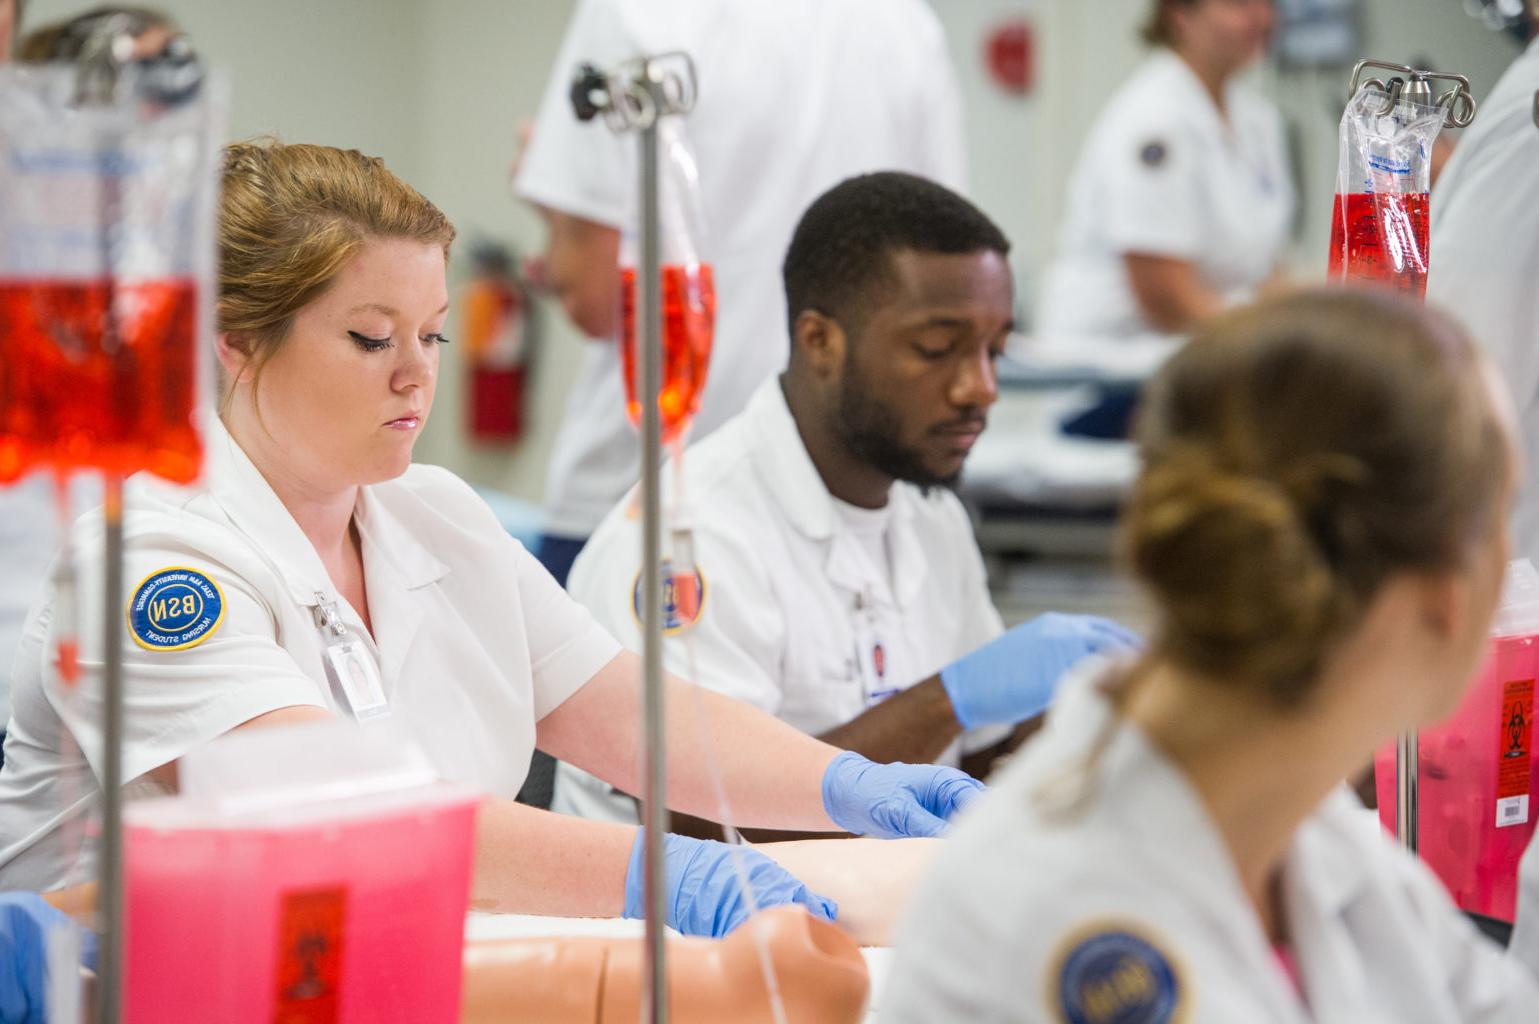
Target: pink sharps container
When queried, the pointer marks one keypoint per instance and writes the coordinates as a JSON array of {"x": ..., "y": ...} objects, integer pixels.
[
  {"x": 330, "y": 890},
  {"x": 1478, "y": 777}
]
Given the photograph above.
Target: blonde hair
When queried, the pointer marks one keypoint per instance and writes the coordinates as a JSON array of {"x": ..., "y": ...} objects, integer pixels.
[
  {"x": 1297, "y": 454},
  {"x": 290, "y": 218}
]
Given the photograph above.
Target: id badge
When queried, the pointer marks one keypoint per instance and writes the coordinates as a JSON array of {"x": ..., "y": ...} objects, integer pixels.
[
  {"x": 871, "y": 658},
  {"x": 354, "y": 673}
]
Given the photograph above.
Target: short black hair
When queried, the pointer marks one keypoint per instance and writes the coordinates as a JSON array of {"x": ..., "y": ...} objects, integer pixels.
[{"x": 843, "y": 242}]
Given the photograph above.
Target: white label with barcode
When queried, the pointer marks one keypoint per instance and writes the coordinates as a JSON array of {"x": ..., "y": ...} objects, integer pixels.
[{"x": 1512, "y": 810}]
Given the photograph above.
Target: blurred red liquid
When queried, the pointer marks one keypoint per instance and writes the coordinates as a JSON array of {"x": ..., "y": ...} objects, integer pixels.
[
  {"x": 689, "y": 319},
  {"x": 78, "y": 393},
  {"x": 1381, "y": 238}
]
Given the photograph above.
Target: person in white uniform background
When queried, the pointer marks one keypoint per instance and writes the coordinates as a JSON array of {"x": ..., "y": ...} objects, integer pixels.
[
  {"x": 1485, "y": 255},
  {"x": 1320, "y": 523},
  {"x": 317, "y": 573},
  {"x": 795, "y": 95},
  {"x": 837, "y": 583},
  {"x": 1180, "y": 203}
]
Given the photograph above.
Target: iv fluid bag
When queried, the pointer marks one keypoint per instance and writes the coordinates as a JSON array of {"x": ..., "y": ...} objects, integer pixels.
[
  {"x": 1379, "y": 226},
  {"x": 106, "y": 272},
  {"x": 688, "y": 291}
]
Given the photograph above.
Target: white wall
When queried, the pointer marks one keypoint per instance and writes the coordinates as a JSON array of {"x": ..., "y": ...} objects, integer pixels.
[{"x": 437, "y": 88}]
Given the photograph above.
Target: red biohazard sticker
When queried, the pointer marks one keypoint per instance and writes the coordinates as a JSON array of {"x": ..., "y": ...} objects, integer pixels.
[
  {"x": 1513, "y": 752},
  {"x": 310, "y": 956}
]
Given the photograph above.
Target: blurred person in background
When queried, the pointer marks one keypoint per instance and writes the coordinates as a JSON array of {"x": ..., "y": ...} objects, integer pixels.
[
  {"x": 1180, "y": 203},
  {"x": 795, "y": 95},
  {"x": 1485, "y": 246},
  {"x": 151, "y": 29}
]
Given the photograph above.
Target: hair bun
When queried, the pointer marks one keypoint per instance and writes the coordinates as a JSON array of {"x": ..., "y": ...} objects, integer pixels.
[{"x": 1244, "y": 585}]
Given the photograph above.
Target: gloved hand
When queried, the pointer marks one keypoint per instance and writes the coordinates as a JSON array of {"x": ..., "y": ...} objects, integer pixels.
[
  {"x": 1012, "y": 677},
  {"x": 894, "y": 801},
  {"x": 703, "y": 894},
  {"x": 25, "y": 920}
]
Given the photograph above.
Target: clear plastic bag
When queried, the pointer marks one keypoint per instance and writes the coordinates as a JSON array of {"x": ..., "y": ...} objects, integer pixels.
[
  {"x": 1379, "y": 227},
  {"x": 688, "y": 290},
  {"x": 106, "y": 270}
]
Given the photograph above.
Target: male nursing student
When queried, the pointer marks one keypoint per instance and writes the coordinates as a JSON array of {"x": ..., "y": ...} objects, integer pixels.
[
  {"x": 1485, "y": 255},
  {"x": 1180, "y": 203},
  {"x": 795, "y": 95},
  {"x": 836, "y": 582}
]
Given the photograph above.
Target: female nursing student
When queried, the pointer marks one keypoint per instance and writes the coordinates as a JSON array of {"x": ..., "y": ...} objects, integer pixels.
[
  {"x": 316, "y": 572},
  {"x": 1180, "y": 202},
  {"x": 1321, "y": 524}
]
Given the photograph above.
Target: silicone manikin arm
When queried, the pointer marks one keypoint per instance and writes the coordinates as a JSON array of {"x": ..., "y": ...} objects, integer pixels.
[{"x": 820, "y": 975}]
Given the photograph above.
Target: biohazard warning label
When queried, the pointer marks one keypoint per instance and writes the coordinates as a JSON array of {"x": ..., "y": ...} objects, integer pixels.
[
  {"x": 1513, "y": 753},
  {"x": 310, "y": 956}
]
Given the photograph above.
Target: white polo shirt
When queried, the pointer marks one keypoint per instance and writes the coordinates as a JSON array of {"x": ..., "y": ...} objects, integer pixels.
[
  {"x": 797, "y": 596},
  {"x": 1163, "y": 173},
  {"x": 1129, "y": 908},
  {"x": 795, "y": 96},
  {"x": 1485, "y": 256},
  {"x": 473, "y": 641}
]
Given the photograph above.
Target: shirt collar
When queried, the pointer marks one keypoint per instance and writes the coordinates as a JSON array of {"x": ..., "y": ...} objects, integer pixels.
[
  {"x": 239, "y": 488},
  {"x": 1196, "y": 93},
  {"x": 795, "y": 484}
]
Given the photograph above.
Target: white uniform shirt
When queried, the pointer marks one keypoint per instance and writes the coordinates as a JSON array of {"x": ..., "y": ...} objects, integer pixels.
[
  {"x": 795, "y": 96},
  {"x": 1163, "y": 174},
  {"x": 1131, "y": 903},
  {"x": 473, "y": 640},
  {"x": 1485, "y": 256},
  {"x": 29, "y": 539},
  {"x": 794, "y": 604}
]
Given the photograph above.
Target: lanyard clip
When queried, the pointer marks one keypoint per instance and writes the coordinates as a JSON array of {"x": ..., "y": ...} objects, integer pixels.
[{"x": 327, "y": 618}]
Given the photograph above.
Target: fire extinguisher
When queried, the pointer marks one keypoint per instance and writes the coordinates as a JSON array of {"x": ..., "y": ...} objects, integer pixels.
[{"x": 494, "y": 324}]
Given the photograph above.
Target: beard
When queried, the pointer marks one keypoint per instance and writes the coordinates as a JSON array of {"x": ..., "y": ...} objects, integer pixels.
[{"x": 870, "y": 429}]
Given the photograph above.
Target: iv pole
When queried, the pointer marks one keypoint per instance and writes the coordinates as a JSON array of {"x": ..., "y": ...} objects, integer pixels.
[
  {"x": 170, "y": 79},
  {"x": 1459, "y": 106},
  {"x": 633, "y": 98}
]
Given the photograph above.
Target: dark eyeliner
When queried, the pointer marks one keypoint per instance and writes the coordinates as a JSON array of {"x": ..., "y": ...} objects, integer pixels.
[
  {"x": 437, "y": 338},
  {"x": 367, "y": 343}
]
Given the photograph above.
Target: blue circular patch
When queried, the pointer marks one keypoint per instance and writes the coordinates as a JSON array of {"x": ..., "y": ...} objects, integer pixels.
[
  {"x": 173, "y": 609},
  {"x": 683, "y": 598},
  {"x": 1115, "y": 977}
]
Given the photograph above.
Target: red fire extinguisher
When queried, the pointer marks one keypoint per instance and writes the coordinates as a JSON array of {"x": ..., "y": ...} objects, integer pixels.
[{"x": 494, "y": 324}]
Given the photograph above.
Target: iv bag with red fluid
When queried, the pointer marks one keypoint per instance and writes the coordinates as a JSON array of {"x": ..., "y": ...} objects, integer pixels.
[
  {"x": 1379, "y": 223},
  {"x": 106, "y": 267},
  {"x": 688, "y": 290}
]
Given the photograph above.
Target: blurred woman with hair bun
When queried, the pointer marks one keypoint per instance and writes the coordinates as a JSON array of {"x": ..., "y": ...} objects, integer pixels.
[{"x": 1320, "y": 524}]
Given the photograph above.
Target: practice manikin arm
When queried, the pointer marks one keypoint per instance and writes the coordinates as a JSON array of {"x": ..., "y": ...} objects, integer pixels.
[{"x": 819, "y": 972}]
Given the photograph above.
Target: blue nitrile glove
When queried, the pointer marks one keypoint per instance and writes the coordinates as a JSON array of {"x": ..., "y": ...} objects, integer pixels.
[
  {"x": 25, "y": 920},
  {"x": 894, "y": 801},
  {"x": 1013, "y": 676},
  {"x": 703, "y": 894}
]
